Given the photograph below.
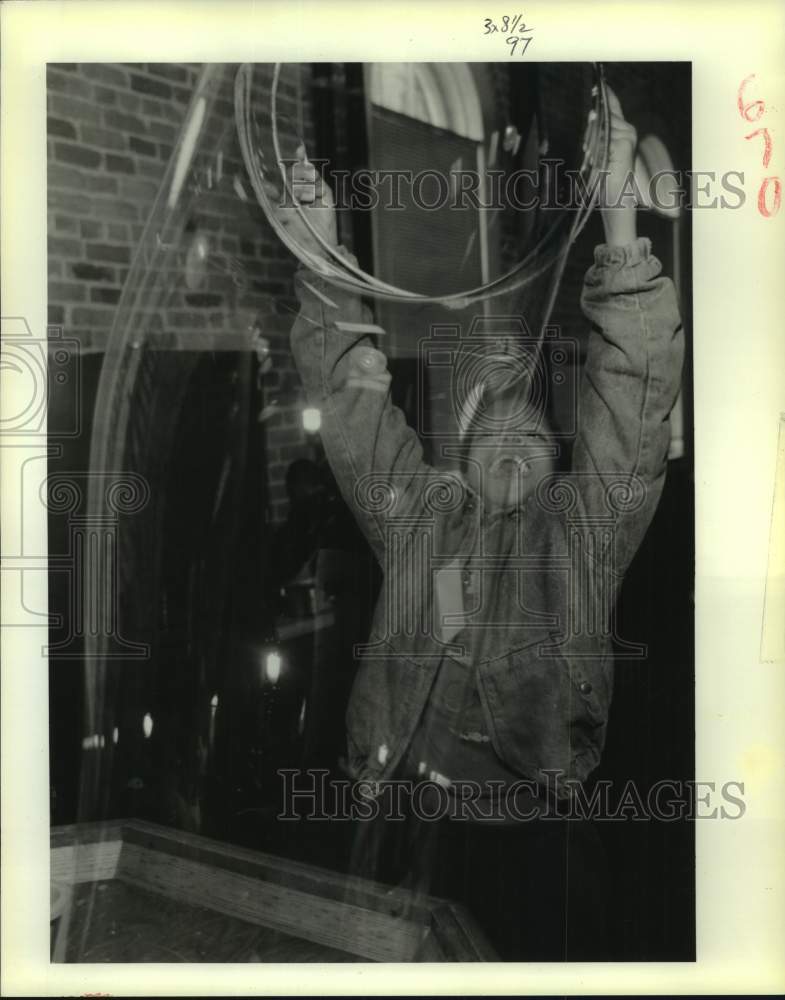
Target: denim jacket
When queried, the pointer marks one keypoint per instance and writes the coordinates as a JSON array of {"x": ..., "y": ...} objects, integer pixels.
[{"x": 539, "y": 578}]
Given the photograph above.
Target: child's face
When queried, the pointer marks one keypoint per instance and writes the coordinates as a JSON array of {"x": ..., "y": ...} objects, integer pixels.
[{"x": 506, "y": 470}]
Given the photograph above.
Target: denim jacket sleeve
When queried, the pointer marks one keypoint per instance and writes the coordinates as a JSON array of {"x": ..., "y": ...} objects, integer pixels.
[
  {"x": 377, "y": 459},
  {"x": 629, "y": 386}
]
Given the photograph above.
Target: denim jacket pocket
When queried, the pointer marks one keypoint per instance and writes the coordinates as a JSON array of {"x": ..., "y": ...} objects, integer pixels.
[
  {"x": 547, "y": 713},
  {"x": 387, "y": 697}
]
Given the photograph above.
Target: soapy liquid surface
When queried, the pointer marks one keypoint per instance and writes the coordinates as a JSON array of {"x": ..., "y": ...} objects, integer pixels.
[{"x": 123, "y": 923}]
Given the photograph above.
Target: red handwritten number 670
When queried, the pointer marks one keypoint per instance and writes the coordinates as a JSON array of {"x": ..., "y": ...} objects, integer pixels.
[
  {"x": 752, "y": 111},
  {"x": 763, "y": 208},
  {"x": 767, "y": 143}
]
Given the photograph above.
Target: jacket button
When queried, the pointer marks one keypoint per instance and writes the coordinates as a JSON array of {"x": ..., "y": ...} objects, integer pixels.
[
  {"x": 585, "y": 687},
  {"x": 371, "y": 361}
]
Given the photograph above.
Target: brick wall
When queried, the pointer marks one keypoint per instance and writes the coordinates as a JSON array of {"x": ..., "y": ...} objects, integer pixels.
[{"x": 111, "y": 133}]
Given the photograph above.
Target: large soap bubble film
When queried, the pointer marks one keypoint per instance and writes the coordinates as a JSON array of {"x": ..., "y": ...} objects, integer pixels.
[
  {"x": 189, "y": 257},
  {"x": 192, "y": 288},
  {"x": 197, "y": 298},
  {"x": 202, "y": 319}
]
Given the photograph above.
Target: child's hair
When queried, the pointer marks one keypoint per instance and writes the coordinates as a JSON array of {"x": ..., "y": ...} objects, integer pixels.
[
  {"x": 508, "y": 393},
  {"x": 508, "y": 382}
]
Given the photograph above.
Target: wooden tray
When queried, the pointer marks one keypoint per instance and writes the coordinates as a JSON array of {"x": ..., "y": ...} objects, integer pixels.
[{"x": 142, "y": 892}]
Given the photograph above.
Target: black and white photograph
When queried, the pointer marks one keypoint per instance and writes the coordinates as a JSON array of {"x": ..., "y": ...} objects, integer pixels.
[
  {"x": 367, "y": 421},
  {"x": 380, "y": 473}
]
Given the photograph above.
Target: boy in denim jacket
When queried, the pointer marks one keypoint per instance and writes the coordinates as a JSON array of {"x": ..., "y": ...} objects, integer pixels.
[{"x": 496, "y": 687}]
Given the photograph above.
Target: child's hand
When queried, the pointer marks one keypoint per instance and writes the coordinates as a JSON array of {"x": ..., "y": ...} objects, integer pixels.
[
  {"x": 617, "y": 199},
  {"x": 316, "y": 199}
]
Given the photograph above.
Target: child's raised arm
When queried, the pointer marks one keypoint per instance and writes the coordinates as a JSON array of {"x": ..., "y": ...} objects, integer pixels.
[{"x": 632, "y": 375}]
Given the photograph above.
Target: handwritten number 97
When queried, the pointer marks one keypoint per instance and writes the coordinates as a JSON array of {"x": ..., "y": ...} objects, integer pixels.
[
  {"x": 753, "y": 111},
  {"x": 513, "y": 40}
]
